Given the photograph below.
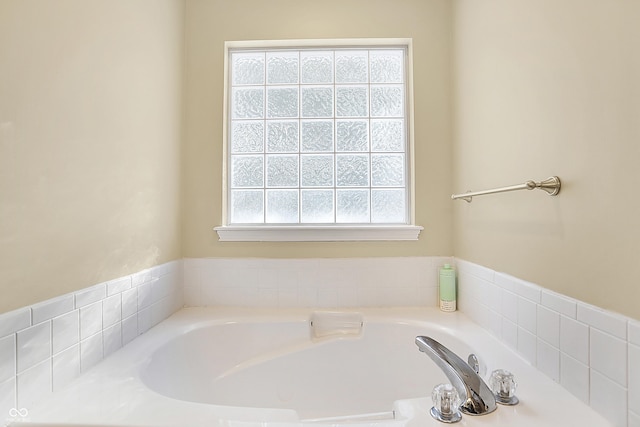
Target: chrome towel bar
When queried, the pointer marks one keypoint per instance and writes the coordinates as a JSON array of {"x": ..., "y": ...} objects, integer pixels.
[{"x": 550, "y": 185}]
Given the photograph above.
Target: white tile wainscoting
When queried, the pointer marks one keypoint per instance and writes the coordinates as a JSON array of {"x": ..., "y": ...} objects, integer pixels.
[
  {"x": 45, "y": 346},
  {"x": 317, "y": 282},
  {"x": 593, "y": 353}
]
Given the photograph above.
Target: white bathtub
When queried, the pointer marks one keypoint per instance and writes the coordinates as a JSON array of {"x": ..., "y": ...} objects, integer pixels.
[{"x": 245, "y": 368}]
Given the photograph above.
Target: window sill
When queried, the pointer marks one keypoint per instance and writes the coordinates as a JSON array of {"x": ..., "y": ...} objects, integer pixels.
[{"x": 334, "y": 233}]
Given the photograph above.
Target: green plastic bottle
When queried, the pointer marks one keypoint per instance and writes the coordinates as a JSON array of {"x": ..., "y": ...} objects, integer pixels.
[{"x": 447, "y": 288}]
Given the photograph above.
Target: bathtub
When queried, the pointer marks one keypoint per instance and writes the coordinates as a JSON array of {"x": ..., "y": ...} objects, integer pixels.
[{"x": 267, "y": 368}]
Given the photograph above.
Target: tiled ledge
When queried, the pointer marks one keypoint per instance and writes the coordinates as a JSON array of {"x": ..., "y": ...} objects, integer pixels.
[
  {"x": 45, "y": 346},
  {"x": 593, "y": 353}
]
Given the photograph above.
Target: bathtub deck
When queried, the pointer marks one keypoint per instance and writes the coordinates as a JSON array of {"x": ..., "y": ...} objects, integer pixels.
[{"x": 119, "y": 396}]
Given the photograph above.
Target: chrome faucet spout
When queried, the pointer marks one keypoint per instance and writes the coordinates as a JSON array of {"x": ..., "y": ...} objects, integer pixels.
[{"x": 478, "y": 399}]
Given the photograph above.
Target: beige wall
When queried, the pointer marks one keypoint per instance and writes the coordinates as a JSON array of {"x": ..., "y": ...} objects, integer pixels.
[
  {"x": 90, "y": 108},
  {"x": 210, "y": 23},
  {"x": 547, "y": 87}
]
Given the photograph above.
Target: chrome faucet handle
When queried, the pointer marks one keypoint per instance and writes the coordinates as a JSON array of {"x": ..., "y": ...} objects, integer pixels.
[{"x": 477, "y": 397}]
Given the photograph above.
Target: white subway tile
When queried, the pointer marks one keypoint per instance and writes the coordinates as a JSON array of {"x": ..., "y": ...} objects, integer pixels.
[
  {"x": 608, "y": 398},
  {"x": 7, "y": 398},
  {"x": 428, "y": 296},
  {"x": 527, "y": 290},
  {"x": 118, "y": 285},
  {"x": 634, "y": 378},
  {"x": 527, "y": 345},
  {"x": 510, "y": 306},
  {"x": 34, "y": 385},
  {"x": 495, "y": 323},
  {"x": 66, "y": 331},
  {"x": 90, "y": 295},
  {"x": 608, "y": 355},
  {"x": 161, "y": 310},
  {"x": 144, "y": 295},
  {"x": 162, "y": 288},
  {"x": 574, "y": 376},
  {"x": 605, "y": 321},
  {"x": 51, "y": 308},
  {"x": 287, "y": 297},
  {"x": 13, "y": 321},
  {"x": 141, "y": 277},
  {"x": 66, "y": 367},
  {"x": 574, "y": 339},
  {"x": 327, "y": 298},
  {"x": 129, "y": 329},
  {"x": 474, "y": 269},
  {"x": 111, "y": 310},
  {"x": 33, "y": 345},
  {"x": 634, "y": 332},
  {"x": 7, "y": 358},
  {"x": 509, "y": 333},
  {"x": 193, "y": 297},
  {"x": 559, "y": 303},
  {"x": 144, "y": 320},
  {"x": 112, "y": 339},
  {"x": 90, "y": 320},
  {"x": 191, "y": 275},
  {"x": 308, "y": 297},
  {"x": 494, "y": 297},
  {"x": 91, "y": 351},
  {"x": 527, "y": 315},
  {"x": 548, "y": 328},
  {"x": 548, "y": 360},
  {"x": 129, "y": 302}
]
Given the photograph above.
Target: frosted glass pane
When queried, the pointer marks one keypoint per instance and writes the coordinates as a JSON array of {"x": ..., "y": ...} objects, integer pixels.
[
  {"x": 317, "y": 67},
  {"x": 247, "y": 137},
  {"x": 247, "y": 103},
  {"x": 386, "y": 101},
  {"x": 282, "y": 67},
  {"x": 352, "y": 170},
  {"x": 317, "y": 102},
  {"x": 316, "y": 206},
  {"x": 352, "y": 67},
  {"x": 282, "y": 102},
  {"x": 282, "y": 206},
  {"x": 352, "y": 206},
  {"x": 387, "y": 135},
  {"x": 352, "y": 135},
  {"x": 388, "y": 206},
  {"x": 316, "y": 170},
  {"x": 247, "y": 69},
  {"x": 247, "y": 206},
  {"x": 247, "y": 171},
  {"x": 282, "y": 170},
  {"x": 351, "y": 101},
  {"x": 317, "y": 135},
  {"x": 387, "y": 66},
  {"x": 387, "y": 170},
  {"x": 282, "y": 136}
]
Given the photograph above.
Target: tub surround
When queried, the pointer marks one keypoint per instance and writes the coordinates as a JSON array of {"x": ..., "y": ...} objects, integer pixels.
[
  {"x": 592, "y": 353},
  {"x": 46, "y": 346},
  {"x": 119, "y": 393}
]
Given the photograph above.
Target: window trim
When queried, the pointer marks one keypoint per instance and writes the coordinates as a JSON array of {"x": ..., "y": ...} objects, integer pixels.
[{"x": 312, "y": 232}]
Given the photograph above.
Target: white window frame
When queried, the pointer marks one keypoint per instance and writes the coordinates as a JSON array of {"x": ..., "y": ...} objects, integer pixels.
[{"x": 330, "y": 232}]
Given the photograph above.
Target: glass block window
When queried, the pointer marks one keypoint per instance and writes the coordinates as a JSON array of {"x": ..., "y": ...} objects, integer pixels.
[{"x": 317, "y": 136}]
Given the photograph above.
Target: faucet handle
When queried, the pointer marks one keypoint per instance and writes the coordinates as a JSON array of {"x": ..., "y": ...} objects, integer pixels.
[
  {"x": 504, "y": 387},
  {"x": 446, "y": 404}
]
